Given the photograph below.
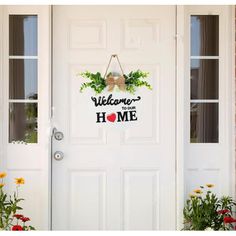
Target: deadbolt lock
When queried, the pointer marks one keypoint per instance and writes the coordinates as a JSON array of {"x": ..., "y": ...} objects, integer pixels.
[{"x": 58, "y": 135}]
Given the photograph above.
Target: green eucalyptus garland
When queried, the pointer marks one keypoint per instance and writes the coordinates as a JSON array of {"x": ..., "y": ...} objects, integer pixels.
[{"x": 133, "y": 80}]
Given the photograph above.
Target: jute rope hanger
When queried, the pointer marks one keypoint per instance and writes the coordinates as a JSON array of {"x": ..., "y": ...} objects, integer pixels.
[
  {"x": 110, "y": 80},
  {"x": 114, "y": 56}
]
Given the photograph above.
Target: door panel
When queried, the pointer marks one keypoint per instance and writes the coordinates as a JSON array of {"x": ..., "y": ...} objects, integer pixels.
[{"x": 119, "y": 178}]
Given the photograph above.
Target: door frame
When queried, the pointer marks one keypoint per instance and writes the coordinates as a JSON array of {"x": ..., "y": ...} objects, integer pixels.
[
  {"x": 179, "y": 112},
  {"x": 179, "y": 106}
]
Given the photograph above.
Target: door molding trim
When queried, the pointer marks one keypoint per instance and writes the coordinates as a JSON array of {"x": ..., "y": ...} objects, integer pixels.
[
  {"x": 179, "y": 115},
  {"x": 233, "y": 120}
]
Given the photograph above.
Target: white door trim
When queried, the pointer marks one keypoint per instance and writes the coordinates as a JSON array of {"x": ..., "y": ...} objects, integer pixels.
[
  {"x": 179, "y": 116},
  {"x": 1, "y": 87},
  {"x": 233, "y": 110}
]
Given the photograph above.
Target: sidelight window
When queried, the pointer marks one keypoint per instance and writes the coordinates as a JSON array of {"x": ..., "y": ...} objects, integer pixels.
[
  {"x": 23, "y": 79},
  {"x": 204, "y": 79}
]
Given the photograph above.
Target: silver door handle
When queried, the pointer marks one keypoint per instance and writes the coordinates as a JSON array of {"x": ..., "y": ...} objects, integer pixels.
[
  {"x": 58, "y": 135},
  {"x": 58, "y": 155}
]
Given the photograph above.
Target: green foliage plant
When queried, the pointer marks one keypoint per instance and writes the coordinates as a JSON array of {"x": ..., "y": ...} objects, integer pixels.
[
  {"x": 133, "y": 80},
  {"x": 9, "y": 207},
  {"x": 205, "y": 211}
]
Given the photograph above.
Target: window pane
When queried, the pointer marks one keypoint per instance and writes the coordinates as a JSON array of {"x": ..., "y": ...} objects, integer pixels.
[
  {"x": 205, "y": 35},
  {"x": 23, "y": 79},
  {"x": 23, "y": 35},
  {"x": 23, "y": 122},
  {"x": 204, "y": 123},
  {"x": 204, "y": 79}
]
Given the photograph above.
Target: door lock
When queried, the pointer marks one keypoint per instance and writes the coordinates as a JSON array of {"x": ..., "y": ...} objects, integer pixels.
[
  {"x": 58, "y": 135},
  {"x": 58, "y": 155}
]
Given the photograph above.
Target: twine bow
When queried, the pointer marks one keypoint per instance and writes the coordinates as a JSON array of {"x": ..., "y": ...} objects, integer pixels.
[{"x": 111, "y": 81}]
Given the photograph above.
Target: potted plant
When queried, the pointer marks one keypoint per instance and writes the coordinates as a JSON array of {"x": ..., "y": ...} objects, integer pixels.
[
  {"x": 9, "y": 205},
  {"x": 205, "y": 211}
]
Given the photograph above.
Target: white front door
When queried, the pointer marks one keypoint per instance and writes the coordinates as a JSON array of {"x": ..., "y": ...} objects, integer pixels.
[{"x": 114, "y": 177}]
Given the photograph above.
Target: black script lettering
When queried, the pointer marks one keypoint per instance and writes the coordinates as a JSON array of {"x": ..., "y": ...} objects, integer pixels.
[
  {"x": 128, "y": 102},
  {"x": 116, "y": 102},
  {"x": 102, "y": 101},
  {"x": 101, "y": 116},
  {"x": 96, "y": 101}
]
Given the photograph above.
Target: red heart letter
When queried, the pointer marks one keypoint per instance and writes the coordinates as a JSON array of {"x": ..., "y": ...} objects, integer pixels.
[{"x": 111, "y": 117}]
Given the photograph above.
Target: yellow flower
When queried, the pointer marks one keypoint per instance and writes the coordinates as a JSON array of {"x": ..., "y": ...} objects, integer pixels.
[
  {"x": 3, "y": 175},
  {"x": 210, "y": 185},
  {"x": 1, "y": 185},
  {"x": 192, "y": 195},
  {"x": 19, "y": 181},
  {"x": 198, "y": 191}
]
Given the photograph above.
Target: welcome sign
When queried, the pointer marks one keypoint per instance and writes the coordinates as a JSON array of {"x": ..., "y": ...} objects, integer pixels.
[
  {"x": 115, "y": 100},
  {"x": 127, "y": 112}
]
